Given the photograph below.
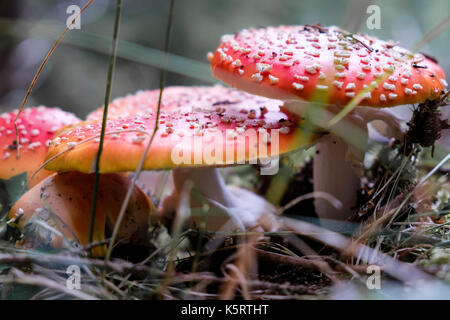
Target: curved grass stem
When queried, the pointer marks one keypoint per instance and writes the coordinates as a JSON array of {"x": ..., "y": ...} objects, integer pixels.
[
  {"x": 41, "y": 67},
  {"x": 144, "y": 156},
  {"x": 112, "y": 63}
]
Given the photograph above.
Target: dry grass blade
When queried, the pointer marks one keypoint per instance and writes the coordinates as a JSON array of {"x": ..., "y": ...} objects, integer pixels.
[
  {"x": 41, "y": 67},
  {"x": 433, "y": 33},
  {"x": 295, "y": 261},
  {"x": 399, "y": 270},
  {"x": 355, "y": 15},
  {"x": 383, "y": 215},
  {"x": 357, "y": 99},
  {"x": 119, "y": 266},
  {"x": 101, "y": 44},
  {"x": 36, "y": 280},
  {"x": 147, "y": 149},
  {"x": 435, "y": 169},
  {"x": 244, "y": 263},
  {"x": 112, "y": 64},
  {"x": 316, "y": 194}
]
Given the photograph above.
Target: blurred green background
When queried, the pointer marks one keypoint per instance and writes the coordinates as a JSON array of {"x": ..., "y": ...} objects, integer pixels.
[{"x": 75, "y": 77}]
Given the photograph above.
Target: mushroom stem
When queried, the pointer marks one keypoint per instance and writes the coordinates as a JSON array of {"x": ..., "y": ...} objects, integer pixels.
[
  {"x": 340, "y": 154},
  {"x": 232, "y": 209},
  {"x": 334, "y": 174},
  {"x": 207, "y": 181}
]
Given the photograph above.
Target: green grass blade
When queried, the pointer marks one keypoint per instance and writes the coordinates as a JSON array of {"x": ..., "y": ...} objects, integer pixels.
[{"x": 112, "y": 63}]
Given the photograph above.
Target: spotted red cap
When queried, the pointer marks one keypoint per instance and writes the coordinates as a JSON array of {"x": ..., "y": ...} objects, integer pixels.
[
  {"x": 36, "y": 127},
  {"x": 291, "y": 62},
  {"x": 198, "y": 126}
]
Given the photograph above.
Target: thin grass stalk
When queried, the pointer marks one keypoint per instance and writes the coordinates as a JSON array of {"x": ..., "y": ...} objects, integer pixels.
[
  {"x": 144, "y": 156},
  {"x": 38, "y": 73},
  {"x": 112, "y": 63},
  {"x": 439, "y": 28},
  {"x": 99, "y": 43}
]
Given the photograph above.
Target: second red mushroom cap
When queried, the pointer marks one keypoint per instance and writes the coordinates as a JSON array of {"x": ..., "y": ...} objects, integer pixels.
[{"x": 292, "y": 62}]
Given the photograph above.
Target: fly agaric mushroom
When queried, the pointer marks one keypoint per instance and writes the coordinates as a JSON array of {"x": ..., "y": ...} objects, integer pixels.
[
  {"x": 306, "y": 64},
  {"x": 63, "y": 202},
  {"x": 36, "y": 127},
  {"x": 200, "y": 128}
]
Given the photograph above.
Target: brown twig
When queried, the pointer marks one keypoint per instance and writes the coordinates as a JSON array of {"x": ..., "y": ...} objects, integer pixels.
[
  {"x": 254, "y": 284},
  {"x": 119, "y": 266},
  {"x": 35, "y": 280}
]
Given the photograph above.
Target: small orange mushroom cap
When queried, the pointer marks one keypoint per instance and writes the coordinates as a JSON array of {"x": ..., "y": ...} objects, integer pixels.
[
  {"x": 63, "y": 201},
  {"x": 36, "y": 127},
  {"x": 295, "y": 62},
  {"x": 198, "y": 126}
]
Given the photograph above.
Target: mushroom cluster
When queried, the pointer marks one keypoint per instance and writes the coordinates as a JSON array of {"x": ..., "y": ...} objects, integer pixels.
[{"x": 299, "y": 86}]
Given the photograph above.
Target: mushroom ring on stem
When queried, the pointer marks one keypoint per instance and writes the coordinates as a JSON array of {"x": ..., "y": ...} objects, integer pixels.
[
  {"x": 325, "y": 75},
  {"x": 200, "y": 129}
]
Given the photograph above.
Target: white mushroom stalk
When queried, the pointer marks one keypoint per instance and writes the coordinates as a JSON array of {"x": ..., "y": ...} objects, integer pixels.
[
  {"x": 231, "y": 208},
  {"x": 334, "y": 174},
  {"x": 340, "y": 155}
]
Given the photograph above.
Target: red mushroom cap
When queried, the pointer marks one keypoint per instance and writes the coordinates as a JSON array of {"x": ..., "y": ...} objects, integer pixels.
[
  {"x": 205, "y": 126},
  {"x": 36, "y": 127},
  {"x": 292, "y": 62}
]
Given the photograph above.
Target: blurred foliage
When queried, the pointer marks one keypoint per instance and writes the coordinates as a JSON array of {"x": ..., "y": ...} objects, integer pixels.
[{"x": 75, "y": 77}]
